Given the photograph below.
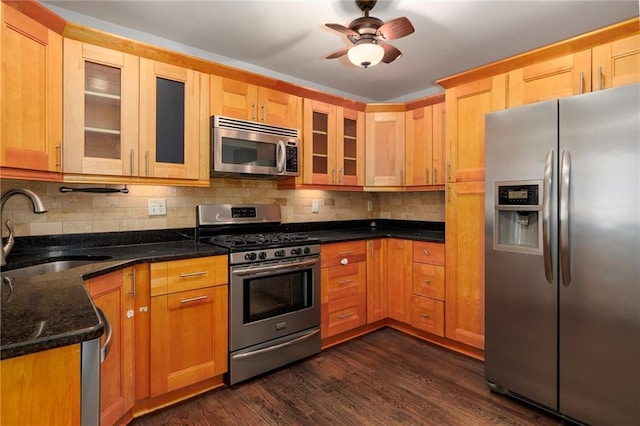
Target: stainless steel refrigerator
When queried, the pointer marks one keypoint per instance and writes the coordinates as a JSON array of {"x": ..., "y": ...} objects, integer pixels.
[{"x": 562, "y": 255}]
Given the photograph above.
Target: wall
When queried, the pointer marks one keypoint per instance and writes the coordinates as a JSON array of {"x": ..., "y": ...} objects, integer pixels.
[{"x": 72, "y": 213}]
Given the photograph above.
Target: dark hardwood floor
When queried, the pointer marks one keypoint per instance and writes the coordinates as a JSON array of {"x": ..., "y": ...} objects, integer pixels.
[{"x": 383, "y": 378}]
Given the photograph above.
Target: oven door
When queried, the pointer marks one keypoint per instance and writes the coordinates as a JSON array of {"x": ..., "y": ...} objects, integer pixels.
[{"x": 272, "y": 300}]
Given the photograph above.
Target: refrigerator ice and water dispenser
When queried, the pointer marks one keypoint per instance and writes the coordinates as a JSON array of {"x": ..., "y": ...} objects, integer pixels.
[{"x": 518, "y": 216}]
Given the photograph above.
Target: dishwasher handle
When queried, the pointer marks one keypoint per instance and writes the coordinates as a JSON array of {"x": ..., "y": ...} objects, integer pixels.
[{"x": 104, "y": 350}]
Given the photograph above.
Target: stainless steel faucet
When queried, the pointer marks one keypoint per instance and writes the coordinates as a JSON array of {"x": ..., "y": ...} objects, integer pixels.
[{"x": 38, "y": 208}]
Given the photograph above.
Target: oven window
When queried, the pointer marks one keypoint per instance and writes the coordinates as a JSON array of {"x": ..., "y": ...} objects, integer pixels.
[
  {"x": 268, "y": 297},
  {"x": 250, "y": 153}
]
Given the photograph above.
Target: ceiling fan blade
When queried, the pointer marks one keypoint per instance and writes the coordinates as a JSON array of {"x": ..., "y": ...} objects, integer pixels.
[
  {"x": 338, "y": 53},
  {"x": 395, "y": 28},
  {"x": 390, "y": 53},
  {"x": 342, "y": 29}
]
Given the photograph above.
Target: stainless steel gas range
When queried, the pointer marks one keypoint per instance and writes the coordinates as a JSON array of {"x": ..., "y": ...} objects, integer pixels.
[{"x": 274, "y": 287}]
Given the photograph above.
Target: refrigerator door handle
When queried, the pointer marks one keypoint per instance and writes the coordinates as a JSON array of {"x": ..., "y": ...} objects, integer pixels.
[
  {"x": 565, "y": 176},
  {"x": 546, "y": 214}
]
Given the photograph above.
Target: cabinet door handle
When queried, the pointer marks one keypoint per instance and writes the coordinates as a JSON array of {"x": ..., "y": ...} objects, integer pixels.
[
  {"x": 345, "y": 253},
  {"x": 193, "y": 299},
  {"x": 372, "y": 251},
  {"x": 340, "y": 176},
  {"x": 600, "y": 78},
  {"x": 347, "y": 315},
  {"x": 427, "y": 281},
  {"x": 254, "y": 112},
  {"x": 581, "y": 81},
  {"x": 133, "y": 284},
  {"x": 264, "y": 112},
  {"x": 425, "y": 315},
  {"x": 343, "y": 282},
  {"x": 449, "y": 171},
  {"x": 193, "y": 274},
  {"x": 333, "y": 176},
  {"x": 133, "y": 156},
  {"x": 59, "y": 163},
  {"x": 146, "y": 163},
  {"x": 426, "y": 176},
  {"x": 435, "y": 176}
]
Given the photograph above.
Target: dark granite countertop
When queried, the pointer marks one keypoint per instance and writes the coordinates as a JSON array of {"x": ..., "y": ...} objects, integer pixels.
[{"x": 52, "y": 310}]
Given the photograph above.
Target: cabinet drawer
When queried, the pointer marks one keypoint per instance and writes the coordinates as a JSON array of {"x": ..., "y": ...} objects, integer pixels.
[
  {"x": 427, "y": 315},
  {"x": 188, "y": 274},
  {"x": 340, "y": 253},
  {"x": 425, "y": 252},
  {"x": 339, "y": 282},
  {"x": 428, "y": 280},
  {"x": 345, "y": 314}
]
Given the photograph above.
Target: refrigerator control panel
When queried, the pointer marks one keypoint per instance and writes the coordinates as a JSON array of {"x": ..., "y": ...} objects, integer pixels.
[{"x": 518, "y": 195}]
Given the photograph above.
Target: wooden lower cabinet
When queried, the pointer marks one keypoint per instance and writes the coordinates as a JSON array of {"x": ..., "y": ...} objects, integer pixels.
[
  {"x": 343, "y": 286},
  {"x": 114, "y": 293},
  {"x": 428, "y": 290},
  {"x": 189, "y": 322},
  {"x": 465, "y": 263},
  {"x": 41, "y": 388},
  {"x": 399, "y": 279},
  {"x": 376, "y": 280}
]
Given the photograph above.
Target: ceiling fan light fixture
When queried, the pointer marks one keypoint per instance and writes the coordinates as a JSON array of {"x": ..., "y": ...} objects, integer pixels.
[{"x": 366, "y": 53}]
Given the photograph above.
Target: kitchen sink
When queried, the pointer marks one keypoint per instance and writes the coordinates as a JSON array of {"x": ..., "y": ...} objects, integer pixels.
[{"x": 56, "y": 264}]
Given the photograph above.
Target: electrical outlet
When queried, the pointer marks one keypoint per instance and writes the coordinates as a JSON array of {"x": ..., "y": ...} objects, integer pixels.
[
  {"x": 157, "y": 207},
  {"x": 315, "y": 207},
  {"x": 369, "y": 205}
]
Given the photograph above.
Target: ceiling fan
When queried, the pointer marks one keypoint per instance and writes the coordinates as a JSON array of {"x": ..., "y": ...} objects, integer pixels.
[{"x": 368, "y": 33}]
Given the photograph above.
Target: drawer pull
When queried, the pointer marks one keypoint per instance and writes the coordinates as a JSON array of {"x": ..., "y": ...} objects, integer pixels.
[
  {"x": 425, "y": 315},
  {"x": 345, "y": 253},
  {"x": 193, "y": 274},
  {"x": 193, "y": 299},
  {"x": 344, "y": 261},
  {"x": 427, "y": 281},
  {"x": 426, "y": 252},
  {"x": 344, "y": 282},
  {"x": 347, "y": 315}
]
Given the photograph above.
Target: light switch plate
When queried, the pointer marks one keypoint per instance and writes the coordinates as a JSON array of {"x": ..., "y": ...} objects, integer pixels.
[
  {"x": 157, "y": 207},
  {"x": 315, "y": 207}
]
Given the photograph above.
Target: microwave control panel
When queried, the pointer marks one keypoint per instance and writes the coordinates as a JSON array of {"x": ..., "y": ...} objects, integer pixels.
[{"x": 292, "y": 157}]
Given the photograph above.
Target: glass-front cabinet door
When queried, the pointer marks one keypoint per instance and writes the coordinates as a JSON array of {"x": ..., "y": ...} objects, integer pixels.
[
  {"x": 334, "y": 145},
  {"x": 100, "y": 110},
  {"x": 170, "y": 117},
  {"x": 350, "y": 147}
]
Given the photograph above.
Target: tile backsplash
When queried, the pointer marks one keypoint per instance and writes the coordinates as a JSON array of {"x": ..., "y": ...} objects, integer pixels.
[{"x": 77, "y": 212}]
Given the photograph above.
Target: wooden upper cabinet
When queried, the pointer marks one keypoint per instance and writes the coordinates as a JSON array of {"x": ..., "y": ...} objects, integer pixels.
[
  {"x": 171, "y": 113},
  {"x": 556, "y": 78},
  {"x": 333, "y": 145},
  {"x": 244, "y": 101},
  {"x": 616, "y": 63},
  {"x": 466, "y": 106},
  {"x": 385, "y": 149},
  {"x": 30, "y": 97},
  {"x": 425, "y": 146},
  {"x": 100, "y": 110}
]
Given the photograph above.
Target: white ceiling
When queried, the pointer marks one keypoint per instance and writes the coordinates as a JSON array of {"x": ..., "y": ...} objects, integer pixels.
[{"x": 287, "y": 39}]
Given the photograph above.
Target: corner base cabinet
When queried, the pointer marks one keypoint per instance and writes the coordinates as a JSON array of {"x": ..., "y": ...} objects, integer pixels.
[{"x": 188, "y": 322}]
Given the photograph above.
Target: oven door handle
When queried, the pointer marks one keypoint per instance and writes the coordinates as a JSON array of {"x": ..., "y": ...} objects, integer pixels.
[
  {"x": 276, "y": 347},
  {"x": 271, "y": 268}
]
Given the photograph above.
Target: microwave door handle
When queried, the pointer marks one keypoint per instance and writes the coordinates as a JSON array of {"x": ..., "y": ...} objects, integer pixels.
[{"x": 281, "y": 156}]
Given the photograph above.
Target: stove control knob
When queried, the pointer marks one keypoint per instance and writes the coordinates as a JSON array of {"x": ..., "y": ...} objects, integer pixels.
[
  {"x": 262, "y": 255},
  {"x": 307, "y": 250},
  {"x": 279, "y": 253},
  {"x": 296, "y": 251},
  {"x": 250, "y": 256}
]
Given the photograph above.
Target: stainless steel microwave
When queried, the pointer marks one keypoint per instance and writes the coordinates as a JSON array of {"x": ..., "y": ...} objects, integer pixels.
[{"x": 250, "y": 149}]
